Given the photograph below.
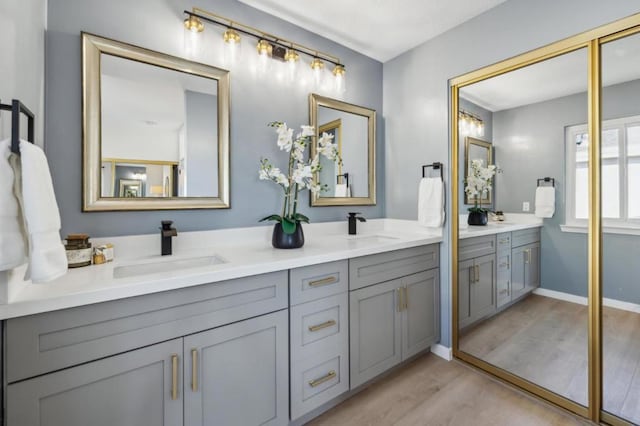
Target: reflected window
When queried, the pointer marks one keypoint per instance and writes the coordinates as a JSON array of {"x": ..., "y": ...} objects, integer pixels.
[{"x": 620, "y": 172}]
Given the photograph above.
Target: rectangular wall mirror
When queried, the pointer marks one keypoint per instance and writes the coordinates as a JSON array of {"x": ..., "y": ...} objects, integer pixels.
[
  {"x": 351, "y": 181},
  {"x": 156, "y": 130},
  {"x": 476, "y": 149}
]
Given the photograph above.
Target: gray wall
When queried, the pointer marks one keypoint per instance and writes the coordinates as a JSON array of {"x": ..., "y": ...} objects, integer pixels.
[
  {"x": 22, "y": 61},
  {"x": 157, "y": 25},
  {"x": 416, "y": 90},
  {"x": 202, "y": 144},
  {"x": 539, "y": 130}
]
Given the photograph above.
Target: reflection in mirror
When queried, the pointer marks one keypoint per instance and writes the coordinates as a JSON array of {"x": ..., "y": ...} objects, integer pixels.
[
  {"x": 352, "y": 180},
  {"x": 522, "y": 283},
  {"x": 156, "y": 130},
  {"x": 152, "y": 114},
  {"x": 620, "y": 171},
  {"x": 476, "y": 149}
]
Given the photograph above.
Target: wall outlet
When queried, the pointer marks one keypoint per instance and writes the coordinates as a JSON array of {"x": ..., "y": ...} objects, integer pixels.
[{"x": 525, "y": 206}]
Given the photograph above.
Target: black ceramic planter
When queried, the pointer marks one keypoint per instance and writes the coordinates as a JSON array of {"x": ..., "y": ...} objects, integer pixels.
[
  {"x": 283, "y": 240},
  {"x": 478, "y": 218}
]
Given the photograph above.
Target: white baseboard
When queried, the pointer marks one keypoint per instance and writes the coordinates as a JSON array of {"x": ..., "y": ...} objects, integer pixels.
[
  {"x": 442, "y": 351},
  {"x": 610, "y": 303}
]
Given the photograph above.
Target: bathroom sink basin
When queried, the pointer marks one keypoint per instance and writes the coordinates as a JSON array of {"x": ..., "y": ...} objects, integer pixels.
[
  {"x": 165, "y": 265},
  {"x": 371, "y": 238}
]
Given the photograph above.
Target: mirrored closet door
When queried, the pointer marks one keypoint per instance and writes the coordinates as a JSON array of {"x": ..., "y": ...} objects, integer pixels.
[
  {"x": 519, "y": 277},
  {"x": 620, "y": 180},
  {"x": 546, "y": 221}
]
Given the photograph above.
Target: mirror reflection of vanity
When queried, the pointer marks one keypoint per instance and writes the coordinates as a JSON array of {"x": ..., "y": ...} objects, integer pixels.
[
  {"x": 550, "y": 303},
  {"x": 156, "y": 130},
  {"x": 350, "y": 181}
]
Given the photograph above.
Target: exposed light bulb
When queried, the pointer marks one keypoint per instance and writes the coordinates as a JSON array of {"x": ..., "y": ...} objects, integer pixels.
[
  {"x": 317, "y": 66},
  {"x": 340, "y": 73},
  {"x": 291, "y": 59},
  {"x": 265, "y": 49},
  {"x": 231, "y": 46}
]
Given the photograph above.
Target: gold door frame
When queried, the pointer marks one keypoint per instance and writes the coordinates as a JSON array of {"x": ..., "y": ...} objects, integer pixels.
[{"x": 591, "y": 40}]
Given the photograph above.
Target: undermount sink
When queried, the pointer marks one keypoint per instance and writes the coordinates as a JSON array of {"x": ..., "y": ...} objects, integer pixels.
[
  {"x": 165, "y": 265},
  {"x": 371, "y": 238}
]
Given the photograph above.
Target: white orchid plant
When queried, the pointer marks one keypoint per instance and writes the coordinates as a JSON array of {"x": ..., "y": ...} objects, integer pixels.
[
  {"x": 479, "y": 183},
  {"x": 300, "y": 173}
]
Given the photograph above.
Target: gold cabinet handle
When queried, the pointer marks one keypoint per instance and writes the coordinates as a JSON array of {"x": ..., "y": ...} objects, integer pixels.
[
  {"x": 194, "y": 370},
  {"x": 399, "y": 296},
  {"x": 405, "y": 305},
  {"x": 477, "y": 267},
  {"x": 527, "y": 252},
  {"x": 174, "y": 377},
  {"x": 504, "y": 240},
  {"x": 317, "y": 382},
  {"x": 325, "y": 324},
  {"x": 324, "y": 281}
]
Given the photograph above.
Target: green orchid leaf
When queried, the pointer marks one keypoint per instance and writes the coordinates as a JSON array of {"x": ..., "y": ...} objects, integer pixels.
[
  {"x": 274, "y": 217},
  {"x": 288, "y": 225},
  {"x": 301, "y": 218}
]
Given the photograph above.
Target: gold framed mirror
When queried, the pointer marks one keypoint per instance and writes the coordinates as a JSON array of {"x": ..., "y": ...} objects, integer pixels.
[
  {"x": 477, "y": 149},
  {"x": 155, "y": 130},
  {"x": 351, "y": 181}
]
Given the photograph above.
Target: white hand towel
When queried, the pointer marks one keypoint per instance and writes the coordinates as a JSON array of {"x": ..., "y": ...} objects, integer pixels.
[
  {"x": 12, "y": 242},
  {"x": 47, "y": 256},
  {"x": 545, "y": 201},
  {"x": 342, "y": 190},
  {"x": 431, "y": 202}
]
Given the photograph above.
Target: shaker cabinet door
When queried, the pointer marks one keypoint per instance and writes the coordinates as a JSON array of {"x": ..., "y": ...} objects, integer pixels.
[
  {"x": 376, "y": 326},
  {"x": 142, "y": 388},
  {"x": 483, "y": 290},
  {"x": 421, "y": 315},
  {"x": 237, "y": 375},
  {"x": 466, "y": 277}
]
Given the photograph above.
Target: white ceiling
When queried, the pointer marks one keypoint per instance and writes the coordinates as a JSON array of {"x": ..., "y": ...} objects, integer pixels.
[
  {"x": 557, "y": 77},
  {"x": 381, "y": 29}
]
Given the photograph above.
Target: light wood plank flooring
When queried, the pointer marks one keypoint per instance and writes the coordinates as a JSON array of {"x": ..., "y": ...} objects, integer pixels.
[
  {"x": 431, "y": 392},
  {"x": 544, "y": 340}
]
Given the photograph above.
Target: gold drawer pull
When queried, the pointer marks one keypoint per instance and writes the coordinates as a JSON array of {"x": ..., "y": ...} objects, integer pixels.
[
  {"x": 405, "y": 297},
  {"x": 317, "y": 382},
  {"x": 194, "y": 370},
  {"x": 174, "y": 377},
  {"x": 504, "y": 240},
  {"x": 399, "y": 297},
  {"x": 324, "y": 281},
  {"x": 317, "y": 327}
]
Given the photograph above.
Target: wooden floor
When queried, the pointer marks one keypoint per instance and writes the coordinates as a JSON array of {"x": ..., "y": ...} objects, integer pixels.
[
  {"x": 431, "y": 391},
  {"x": 544, "y": 340}
]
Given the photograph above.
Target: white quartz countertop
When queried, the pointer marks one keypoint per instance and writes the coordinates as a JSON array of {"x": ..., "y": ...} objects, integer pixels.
[
  {"x": 512, "y": 222},
  {"x": 246, "y": 252}
]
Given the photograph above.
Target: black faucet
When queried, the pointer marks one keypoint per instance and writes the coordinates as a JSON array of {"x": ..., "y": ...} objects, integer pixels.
[
  {"x": 166, "y": 232},
  {"x": 352, "y": 222}
]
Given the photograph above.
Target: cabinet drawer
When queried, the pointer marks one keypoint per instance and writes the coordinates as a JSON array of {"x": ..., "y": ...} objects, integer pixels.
[
  {"x": 368, "y": 270},
  {"x": 318, "y": 380},
  {"x": 50, "y": 341},
  {"x": 469, "y": 248},
  {"x": 320, "y": 325},
  {"x": 318, "y": 281},
  {"x": 525, "y": 236},
  {"x": 504, "y": 241}
]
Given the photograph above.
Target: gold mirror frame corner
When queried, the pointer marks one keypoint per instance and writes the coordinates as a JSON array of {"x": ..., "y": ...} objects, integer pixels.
[
  {"x": 591, "y": 40},
  {"x": 92, "y": 201},
  {"x": 316, "y": 101}
]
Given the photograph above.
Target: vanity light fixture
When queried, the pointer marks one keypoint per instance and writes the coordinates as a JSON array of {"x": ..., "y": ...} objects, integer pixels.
[
  {"x": 470, "y": 124},
  {"x": 268, "y": 46}
]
